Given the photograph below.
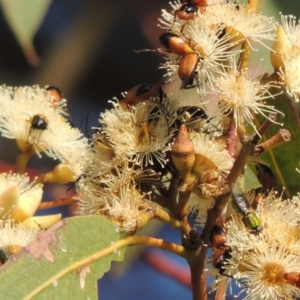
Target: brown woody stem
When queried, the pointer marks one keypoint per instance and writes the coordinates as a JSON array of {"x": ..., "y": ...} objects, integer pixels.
[
  {"x": 267, "y": 124},
  {"x": 56, "y": 203},
  {"x": 198, "y": 281},
  {"x": 164, "y": 216},
  {"x": 281, "y": 137},
  {"x": 232, "y": 140}
]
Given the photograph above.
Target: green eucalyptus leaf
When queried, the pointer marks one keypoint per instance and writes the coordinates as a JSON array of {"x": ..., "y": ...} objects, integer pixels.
[
  {"x": 284, "y": 159},
  {"x": 24, "y": 19},
  {"x": 63, "y": 262},
  {"x": 251, "y": 181}
]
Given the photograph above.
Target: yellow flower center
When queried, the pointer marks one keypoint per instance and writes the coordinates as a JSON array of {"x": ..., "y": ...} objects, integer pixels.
[{"x": 272, "y": 274}]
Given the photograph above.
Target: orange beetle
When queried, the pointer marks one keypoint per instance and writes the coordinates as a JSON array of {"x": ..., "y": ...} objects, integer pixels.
[
  {"x": 174, "y": 43},
  {"x": 217, "y": 237},
  {"x": 293, "y": 278},
  {"x": 189, "y": 57},
  {"x": 187, "y": 67},
  {"x": 190, "y": 8},
  {"x": 141, "y": 93}
]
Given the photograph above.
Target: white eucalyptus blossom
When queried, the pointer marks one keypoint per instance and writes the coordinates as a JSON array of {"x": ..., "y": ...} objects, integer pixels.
[
  {"x": 215, "y": 163},
  {"x": 142, "y": 133},
  {"x": 265, "y": 270},
  {"x": 240, "y": 96},
  {"x": 213, "y": 33},
  {"x": 292, "y": 29},
  {"x": 241, "y": 22},
  {"x": 27, "y": 115},
  {"x": 290, "y": 75},
  {"x": 213, "y": 150},
  {"x": 14, "y": 236},
  {"x": 262, "y": 262},
  {"x": 114, "y": 195}
]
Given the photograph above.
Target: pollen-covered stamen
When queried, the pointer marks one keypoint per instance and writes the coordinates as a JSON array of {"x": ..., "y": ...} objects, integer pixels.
[
  {"x": 143, "y": 132},
  {"x": 272, "y": 274}
]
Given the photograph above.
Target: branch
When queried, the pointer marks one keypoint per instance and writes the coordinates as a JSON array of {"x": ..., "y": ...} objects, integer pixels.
[{"x": 56, "y": 203}]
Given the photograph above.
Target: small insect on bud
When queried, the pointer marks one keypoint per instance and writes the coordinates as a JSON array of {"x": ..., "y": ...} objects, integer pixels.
[
  {"x": 199, "y": 4},
  {"x": 250, "y": 219},
  {"x": 217, "y": 237},
  {"x": 252, "y": 222},
  {"x": 39, "y": 123}
]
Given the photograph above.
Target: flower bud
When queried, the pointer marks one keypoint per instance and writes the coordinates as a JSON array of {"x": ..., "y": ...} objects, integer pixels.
[
  {"x": 41, "y": 222},
  {"x": 235, "y": 36},
  {"x": 28, "y": 204},
  {"x": 183, "y": 154},
  {"x": 281, "y": 46},
  {"x": 105, "y": 151},
  {"x": 62, "y": 173},
  {"x": 202, "y": 164},
  {"x": 8, "y": 201}
]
